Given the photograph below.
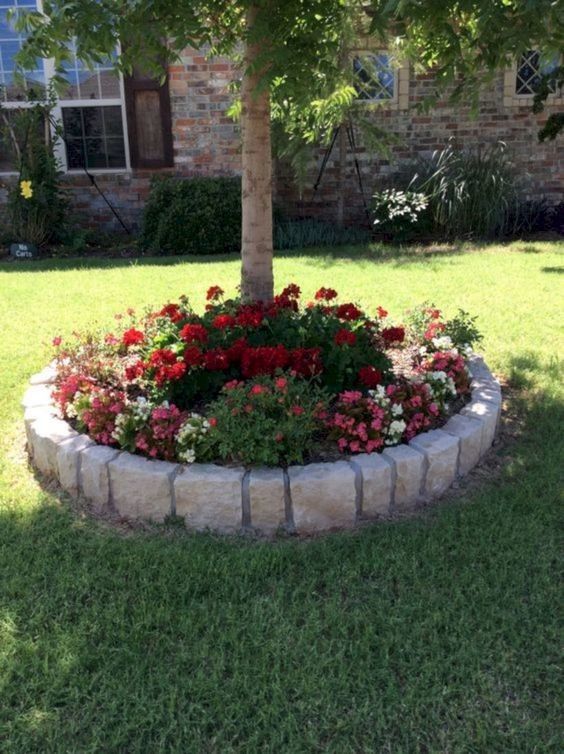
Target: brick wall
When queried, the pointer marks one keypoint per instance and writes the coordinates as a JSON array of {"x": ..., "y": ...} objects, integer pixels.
[
  {"x": 540, "y": 166},
  {"x": 206, "y": 142}
]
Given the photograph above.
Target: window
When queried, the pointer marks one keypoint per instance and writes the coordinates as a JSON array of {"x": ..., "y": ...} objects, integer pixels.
[
  {"x": 94, "y": 137},
  {"x": 530, "y": 68},
  {"x": 375, "y": 76},
  {"x": 33, "y": 84},
  {"x": 522, "y": 80},
  {"x": 91, "y": 110}
]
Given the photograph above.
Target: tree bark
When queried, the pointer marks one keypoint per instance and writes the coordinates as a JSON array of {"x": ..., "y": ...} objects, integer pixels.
[{"x": 257, "y": 280}]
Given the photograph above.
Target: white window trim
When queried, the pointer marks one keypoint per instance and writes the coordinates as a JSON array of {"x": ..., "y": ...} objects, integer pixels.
[
  {"x": 400, "y": 99},
  {"x": 512, "y": 99},
  {"x": 59, "y": 146}
]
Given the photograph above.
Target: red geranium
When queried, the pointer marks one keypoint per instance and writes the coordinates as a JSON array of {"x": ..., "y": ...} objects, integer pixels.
[
  {"x": 250, "y": 315},
  {"x": 264, "y": 360},
  {"x": 135, "y": 370},
  {"x": 192, "y": 356},
  {"x": 393, "y": 335},
  {"x": 216, "y": 360},
  {"x": 306, "y": 361},
  {"x": 172, "y": 311},
  {"x": 194, "y": 333},
  {"x": 345, "y": 337},
  {"x": 348, "y": 312},
  {"x": 370, "y": 377},
  {"x": 222, "y": 321},
  {"x": 382, "y": 313},
  {"x": 326, "y": 294},
  {"x": 132, "y": 337},
  {"x": 214, "y": 293}
]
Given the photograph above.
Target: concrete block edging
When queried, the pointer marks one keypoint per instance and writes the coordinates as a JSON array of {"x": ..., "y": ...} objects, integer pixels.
[{"x": 301, "y": 499}]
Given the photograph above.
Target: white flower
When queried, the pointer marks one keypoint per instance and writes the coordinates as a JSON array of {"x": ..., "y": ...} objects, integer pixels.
[
  {"x": 442, "y": 343},
  {"x": 397, "y": 409}
]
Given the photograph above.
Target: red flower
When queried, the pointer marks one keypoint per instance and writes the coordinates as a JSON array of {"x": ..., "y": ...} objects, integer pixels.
[
  {"x": 345, "y": 337},
  {"x": 214, "y": 293},
  {"x": 348, "y": 312},
  {"x": 326, "y": 294},
  {"x": 393, "y": 335},
  {"x": 194, "y": 333},
  {"x": 212, "y": 421},
  {"x": 135, "y": 370},
  {"x": 432, "y": 330},
  {"x": 281, "y": 383},
  {"x": 215, "y": 360},
  {"x": 291, "y": 291},
  {"x": 306, "y": 361},
  {"x": 133, "y": 337},
  {"x": 223, "y": 320},
  {"x": 370, "y": 376},
  {"x": 382, "y": 313},
  {"x": 250, "y": 315},
  {"x": 236, "y": 350},
  {"x": 192, "y": 356},
  {"x": 172, "y": 311},
  {"x": 162, "y": 356},
  {"x": 258, "y": 390},
  {"x": 264, "y": 360},
  {"x": 57, "y": 341},
  {"x": 297, "y": 410}
]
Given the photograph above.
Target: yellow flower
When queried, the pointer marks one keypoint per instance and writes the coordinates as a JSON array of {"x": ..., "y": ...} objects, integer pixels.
[{"x": 26, "y": 190}]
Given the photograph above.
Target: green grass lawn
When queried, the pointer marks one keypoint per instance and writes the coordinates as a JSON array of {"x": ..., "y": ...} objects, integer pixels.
[{"x": 437, "y": 634}]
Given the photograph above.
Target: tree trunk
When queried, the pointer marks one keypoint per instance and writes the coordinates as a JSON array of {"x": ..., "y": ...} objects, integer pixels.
[{"x": 256, "y": 241}]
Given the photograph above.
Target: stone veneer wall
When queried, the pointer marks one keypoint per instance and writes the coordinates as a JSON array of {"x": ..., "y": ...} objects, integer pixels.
[
  {"x": 302, "y": 499},
  {"x": 206, "y": 142}
]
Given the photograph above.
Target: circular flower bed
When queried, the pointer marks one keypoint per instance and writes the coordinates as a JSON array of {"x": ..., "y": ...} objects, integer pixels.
[{"x": 243, "y": 386}]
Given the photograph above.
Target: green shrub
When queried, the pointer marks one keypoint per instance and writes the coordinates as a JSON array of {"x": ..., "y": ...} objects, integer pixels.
[{"x": 193, "y": 216}]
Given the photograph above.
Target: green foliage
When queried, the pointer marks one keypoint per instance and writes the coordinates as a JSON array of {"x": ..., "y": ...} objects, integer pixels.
[
  {"x": 555, "y": 121},
  {"x": 462, "y": 330},
  {"x": 39, "y": 218},
  {"x": 193, "y": 216},
  {"x": 266, "y": 421},
  {"x": 471, "y": 194},
  {"x": 301, "y": 234},
  {"x": 398, "y": 213}
]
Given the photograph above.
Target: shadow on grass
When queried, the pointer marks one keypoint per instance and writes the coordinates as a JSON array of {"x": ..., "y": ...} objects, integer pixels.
[
  {"x": 557, "y": 270},
  {"x": 178, "y": 642},
  {"x": 372, "y": 253}
]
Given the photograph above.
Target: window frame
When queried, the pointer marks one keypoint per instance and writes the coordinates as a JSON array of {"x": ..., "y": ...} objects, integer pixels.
[
  {"x": 400, "y": 98},
  {"x": 59, "y": 146},
  {"x": 512, "y": 99}
]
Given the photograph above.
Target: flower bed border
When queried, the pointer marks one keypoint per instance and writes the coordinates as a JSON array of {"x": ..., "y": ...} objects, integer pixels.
[{"x": 302, "y": 499}]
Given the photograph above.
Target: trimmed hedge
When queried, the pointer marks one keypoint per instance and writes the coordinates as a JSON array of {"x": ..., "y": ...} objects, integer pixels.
[{"x": 193, "y": 216}]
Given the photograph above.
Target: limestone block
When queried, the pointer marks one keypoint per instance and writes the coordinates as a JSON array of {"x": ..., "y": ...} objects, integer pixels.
[
  {"x": 409, "y": 471},
  {"x": 210, "y": 497},
  {"x": 141, "y": 488},
  {"x": 94, "y": 477},
  {"x": 45, "y": 435},
  {"x": 37, "y": 395},
  {"x": 469, "y": 433},
  {"x": 31, "y": 415},
  {"x": 441, "y": 452},
  {"x": 68, "y": 462},
  {"x": 45, "y": 377},
  {"x": 488, "y": 413},
  {"x": 266, "y": 496},
  {"x": 377, "y": 480},
  {"x": 323, "y": 496}
]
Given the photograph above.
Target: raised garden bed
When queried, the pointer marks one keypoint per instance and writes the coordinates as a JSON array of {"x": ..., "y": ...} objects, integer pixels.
[{"x": 302, "y": 499}]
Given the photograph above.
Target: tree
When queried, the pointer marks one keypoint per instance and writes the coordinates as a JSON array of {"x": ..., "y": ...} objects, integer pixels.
[{"x": 292, "y": 63}]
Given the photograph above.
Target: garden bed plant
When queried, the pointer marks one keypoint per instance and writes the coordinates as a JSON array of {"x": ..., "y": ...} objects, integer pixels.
[{"x": 264, "y": 384}]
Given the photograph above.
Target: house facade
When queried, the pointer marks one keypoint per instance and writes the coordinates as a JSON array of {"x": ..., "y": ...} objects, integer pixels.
[{"x": 125, "y": 131}]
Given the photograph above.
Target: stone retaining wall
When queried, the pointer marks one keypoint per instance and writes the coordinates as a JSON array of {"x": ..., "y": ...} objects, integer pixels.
[{"x": 302, "y": 499}]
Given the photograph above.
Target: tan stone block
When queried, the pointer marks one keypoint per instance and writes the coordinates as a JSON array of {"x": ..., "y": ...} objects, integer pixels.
[
  {"x": 210, "y": 497},
  {"x": 267, "y": 499},
  {"x": 141, "y": 488},
  {"x": 409, "y": 472},
  {"x": 323, "y": 496},
  {"x": 441, "y": 452}
]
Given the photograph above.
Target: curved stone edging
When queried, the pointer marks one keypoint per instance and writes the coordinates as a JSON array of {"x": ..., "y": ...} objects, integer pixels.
[{"x": 302, "y": 499}]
